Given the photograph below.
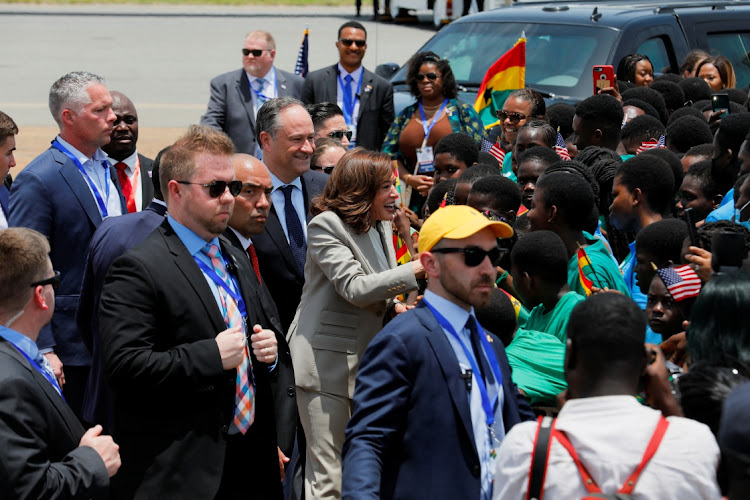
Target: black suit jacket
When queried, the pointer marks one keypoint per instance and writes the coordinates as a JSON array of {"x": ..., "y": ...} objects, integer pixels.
[
  {"x": 173, "y": 401},
  {"x": 282, "y": 378},
  {"x": 375, "y": 102},
  {"x": 147, "y": 183},
  {"x": 277, "y": 266},
  {"x": 230, "y": 107},
  {"x": 39, "y": 436}
]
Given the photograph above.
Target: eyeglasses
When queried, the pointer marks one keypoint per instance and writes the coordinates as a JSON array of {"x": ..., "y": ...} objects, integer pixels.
[
  {"x": 473, "y": 256},
  {"x": 327, "y": 170},
  {"x": 339, "y": 134},
  {"x": 217, "y": 188},
  {"x": 54, "y": 281},
  {"x": 510, "y": 115},
  {"x": 430, "y": 76},
  {"x": 348, "y": 42},
  {"x": 254, "y": 52}
]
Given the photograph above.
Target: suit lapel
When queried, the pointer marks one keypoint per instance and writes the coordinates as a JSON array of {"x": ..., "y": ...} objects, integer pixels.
[
  {"x": 386, "y": 237},
  {"x": 4, "y": 198},
  {"x": 365, "y": 92},
  {"x": 276, "y": 233},
  {"x": 332, "y": 84},
  {"x": 78, "y": 186},
  {"x": 281, "y": 89},
  {"x": 450, "y": 368},
  {"x": 187, "y": 266},
  {"x": 246, "y": 96},
  {"x": 147, "y": 184}
]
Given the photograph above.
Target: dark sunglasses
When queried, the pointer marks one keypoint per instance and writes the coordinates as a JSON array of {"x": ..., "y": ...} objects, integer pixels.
[
  {"x": 513, "y": 117},
  {"x": 254, "y": 52},
  {"x": 430, "y": 76},
  {"x": 54, "y": 281},
  {"x": 327, "y": 170},
  {"x": 217, "y": 188},
  {"x": 348, "y": 42},
  {"x": 338, "y": 134},
  {"x": 473, "y": 256}
]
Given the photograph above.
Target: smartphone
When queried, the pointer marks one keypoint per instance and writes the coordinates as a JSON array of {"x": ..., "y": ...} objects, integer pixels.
[
  {"x": 720, "y": 102},
  {"x": 691, "y": 227},
  {"x": 604, "y": 76},
  {"x": 727, "y": 251}
]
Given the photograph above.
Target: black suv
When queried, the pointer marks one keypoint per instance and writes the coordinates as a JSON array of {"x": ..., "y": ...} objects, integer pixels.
[{"x": 564, "y": 40}]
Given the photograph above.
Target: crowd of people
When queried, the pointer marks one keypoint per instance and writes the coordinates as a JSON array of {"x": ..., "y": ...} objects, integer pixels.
[{"x": 307, "y": 296}]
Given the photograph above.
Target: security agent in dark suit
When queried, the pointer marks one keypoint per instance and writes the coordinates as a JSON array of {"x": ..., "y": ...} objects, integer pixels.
[
  {"x": 248, "y": 219},
  {"x": 286, "y": 133},
  {"x": 133, "y": 169},
  {"x": 193, "y": 405},
  {"x": 365, "y": 98},
  {"x": 8, "y": 131},
  {"x": 434, "y": 395},
  {"x": 65, "y": 193},
  {"x": 43, "y": 448},
  {"x": 115, "y": 236},
  {"x": 237, "y": 96}
]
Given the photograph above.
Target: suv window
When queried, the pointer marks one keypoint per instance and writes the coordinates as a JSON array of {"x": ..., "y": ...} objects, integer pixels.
[
  {"x": 735, "y": 47},
  {"x": 656, "y": 50},
  {"x": 558, "y": 57}
]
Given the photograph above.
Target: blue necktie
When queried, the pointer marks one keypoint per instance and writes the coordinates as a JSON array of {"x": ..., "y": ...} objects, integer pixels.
[
  {"x": 348, "y": 100},
  {"x": 297, "y": 242}
]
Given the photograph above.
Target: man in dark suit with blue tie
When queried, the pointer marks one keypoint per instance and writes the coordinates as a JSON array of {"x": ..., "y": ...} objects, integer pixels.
[
  {"x": 434, "y": 396},
  {"x": 8, "y": 131},
  {"x": 113, "y": 238},
  {"x": 65, "y": 193}
]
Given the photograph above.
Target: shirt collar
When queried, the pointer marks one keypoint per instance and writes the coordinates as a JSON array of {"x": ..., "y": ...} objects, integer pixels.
[
  {"x": 245, "y": 242},
  {"x": 453, "y": 313},
  {"x": 356, "y": 74},
  {"x": 269, "y": 77},
  {"x": 99, "y": 155},
  {"x": 130, "y": 161},
  {"x": 21, "y": 341},
  {"x": 297, "y": 182},
  {"x": 192, "y": 241}
]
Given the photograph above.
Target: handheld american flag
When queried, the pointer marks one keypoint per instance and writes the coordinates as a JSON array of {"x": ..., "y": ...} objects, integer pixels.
[
  {"x": 560, "y": 148},
  {"x": 493, "y": 149},
  {"x": 681, "y": 282},
  {"x": 646, "y": 145}
]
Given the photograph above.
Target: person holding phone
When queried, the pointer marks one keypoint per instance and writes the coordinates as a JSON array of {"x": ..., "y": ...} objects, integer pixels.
[
  {"x": 437, "y": 113},
  {"x": 718, "y": 73}
]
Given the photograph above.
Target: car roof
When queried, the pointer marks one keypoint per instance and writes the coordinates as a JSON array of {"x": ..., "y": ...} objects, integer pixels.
[{"x": 614, "y": 14}]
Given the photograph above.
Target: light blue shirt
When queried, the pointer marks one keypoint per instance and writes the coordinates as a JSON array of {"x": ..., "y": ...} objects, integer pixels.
[
  {"x": 628, "y": 274},
  {"x": 279, "y": 203},
  {"x": 99, "y": 175},
  {"x": 457, "y": 317},
  {"x": 725, "y": 210},
  {"x": 28, "y": 347}
]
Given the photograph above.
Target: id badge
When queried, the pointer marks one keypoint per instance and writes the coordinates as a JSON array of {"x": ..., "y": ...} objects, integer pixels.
[
  {"x": 425, "y": 160},
  {"x": 353, "y": 140}
]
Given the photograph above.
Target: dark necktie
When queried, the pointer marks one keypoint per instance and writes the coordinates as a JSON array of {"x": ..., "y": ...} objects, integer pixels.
[
  {"x": 297, "y": 242},
  {"x": 476, "y": 346},
  {"x": 127, "y": 187},
  {"x": 254, "y": 260}
]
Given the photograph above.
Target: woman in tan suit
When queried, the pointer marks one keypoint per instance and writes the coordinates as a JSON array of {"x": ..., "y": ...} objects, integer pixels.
[{"x": 351, "y": 279}]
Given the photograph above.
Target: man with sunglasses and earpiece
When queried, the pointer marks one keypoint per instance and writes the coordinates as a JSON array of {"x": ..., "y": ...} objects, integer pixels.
[
  {"x": 237, "y": 96},
  {"x": 434, "y": 396},
  {"x": 328, "y": 121},
  {"x": 365, "y": 98},
  {"x": 187, "y": 351}
]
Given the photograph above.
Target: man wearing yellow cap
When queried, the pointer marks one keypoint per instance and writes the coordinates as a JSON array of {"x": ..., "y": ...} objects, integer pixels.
[{"x": 434, "y": 396}]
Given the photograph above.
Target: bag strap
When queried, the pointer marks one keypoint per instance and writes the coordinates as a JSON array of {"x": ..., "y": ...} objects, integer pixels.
[
  {"x": 653, "y": 445},
  {"x": 539, "y": 458},
  {"x": 588, "y": 481}
]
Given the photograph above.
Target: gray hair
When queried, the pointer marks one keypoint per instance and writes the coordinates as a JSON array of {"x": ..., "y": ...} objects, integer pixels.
[
  {"x": 70, "y": 92},
  {"x": 268, "y": 115}
]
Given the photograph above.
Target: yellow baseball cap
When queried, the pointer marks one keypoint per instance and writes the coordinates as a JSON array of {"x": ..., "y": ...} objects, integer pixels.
[{"x": 457, "y": 222}]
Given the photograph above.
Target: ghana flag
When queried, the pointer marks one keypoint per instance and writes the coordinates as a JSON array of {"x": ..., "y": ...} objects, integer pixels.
[{"x": 507, "y": 74}]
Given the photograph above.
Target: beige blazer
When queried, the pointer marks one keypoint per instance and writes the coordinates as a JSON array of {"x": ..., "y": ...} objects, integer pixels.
[{"x": 344, "y": 299}]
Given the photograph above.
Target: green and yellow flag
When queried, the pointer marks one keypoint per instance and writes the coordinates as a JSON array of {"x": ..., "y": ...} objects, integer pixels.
[{"x": 507, "y": 74}]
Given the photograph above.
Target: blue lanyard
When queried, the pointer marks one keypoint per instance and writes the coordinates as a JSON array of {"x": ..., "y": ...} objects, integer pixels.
[
  {"x": 348, "y": 100},
  {"x": 97, "y": 195},
  {"x": 258, "y": 95},
  {"x": 489, "y": 407},
  {"x": 428, "y": 128},
  {"x": 39, "y": 369},
  {"x": 223, "y": 284}
]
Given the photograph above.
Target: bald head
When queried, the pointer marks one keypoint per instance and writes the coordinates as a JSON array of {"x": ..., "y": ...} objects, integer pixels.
[
  {"x": 252, "y": 205},
  {"x": 124, "y": 135}
]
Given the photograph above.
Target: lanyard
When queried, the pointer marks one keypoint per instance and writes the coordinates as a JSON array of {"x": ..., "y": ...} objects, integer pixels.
[
  {"x": 39, "y": 369},
  {"x": 348, "y": 100},
  {"x": 97, "y": 195},
  {"x": 486, "y": 404},
  {"x": 428, "y": 128},
  {"x": 223, "y": 284},
  {"x": 260, "y": 96}
]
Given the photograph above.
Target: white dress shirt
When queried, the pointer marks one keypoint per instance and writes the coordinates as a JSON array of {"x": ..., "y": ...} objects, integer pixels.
[
  {"x": 298, "y": 200},
  {"x": 99, "y": 175},
  {"x": 3, "y": 219},
  {"x": 610, "y": 435},
  {"x": 134, "y": 164}
]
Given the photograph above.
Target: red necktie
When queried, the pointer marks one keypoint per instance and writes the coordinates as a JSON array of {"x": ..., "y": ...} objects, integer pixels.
[
  {"x": 127, "y": 188},
  {"x": 254, "y": 260}
]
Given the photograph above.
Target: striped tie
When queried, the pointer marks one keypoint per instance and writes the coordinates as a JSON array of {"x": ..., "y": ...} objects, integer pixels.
[{"x": 244, "y": 396}]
